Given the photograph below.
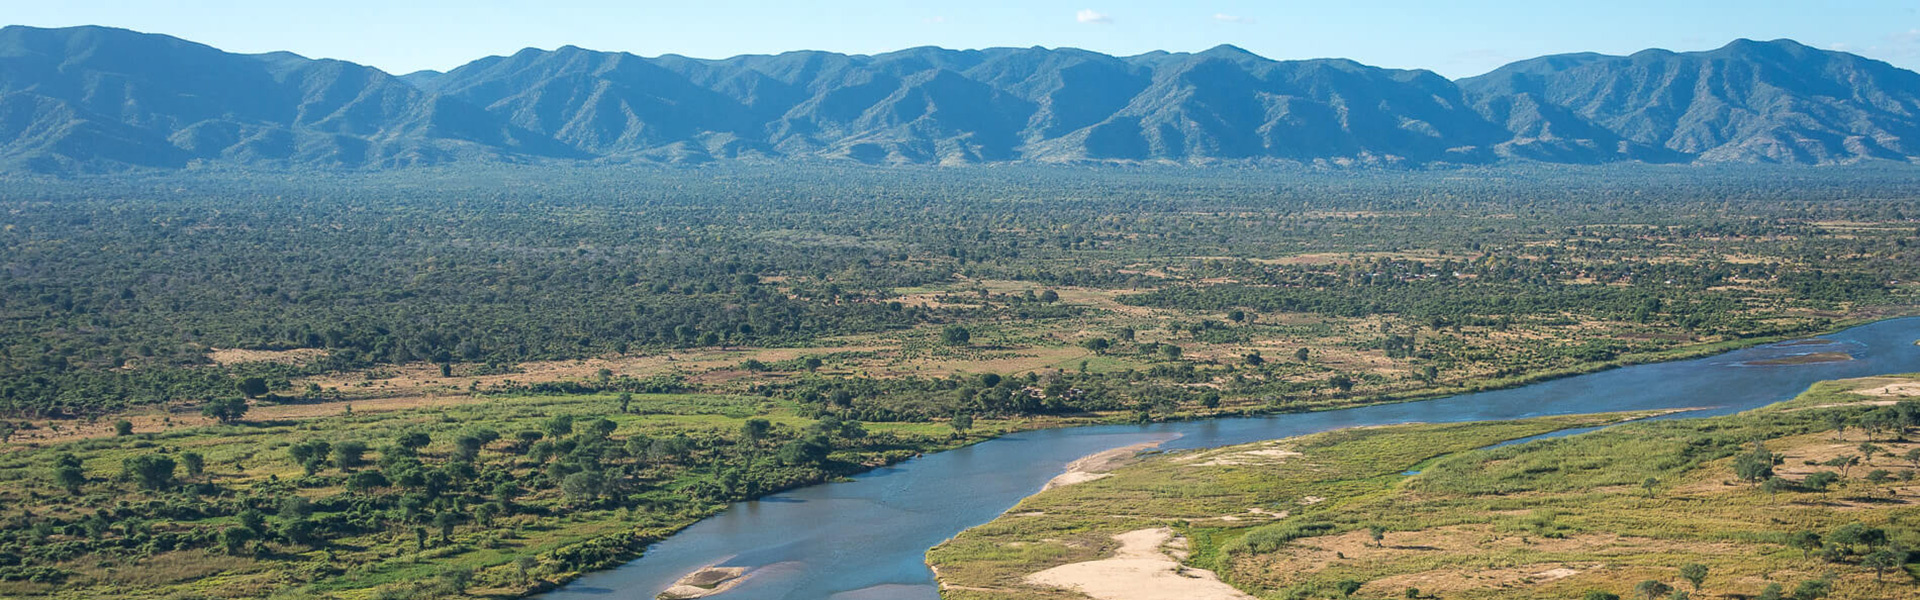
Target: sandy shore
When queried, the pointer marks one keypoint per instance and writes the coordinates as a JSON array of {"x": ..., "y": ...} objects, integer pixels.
[
  {"x": 704, "y": 582},
  {"x": 1097, "y": 466},
  {"x": 1139, "y": 570}
]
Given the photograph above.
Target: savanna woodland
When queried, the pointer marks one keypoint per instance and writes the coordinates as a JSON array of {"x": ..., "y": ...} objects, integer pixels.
[{"x": 483, "y": 383}]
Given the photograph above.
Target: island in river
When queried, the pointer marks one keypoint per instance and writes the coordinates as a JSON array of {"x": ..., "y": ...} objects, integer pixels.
[{"x": 1814, "y": 496}]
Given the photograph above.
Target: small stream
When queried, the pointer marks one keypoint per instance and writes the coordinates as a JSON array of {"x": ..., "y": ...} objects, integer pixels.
[{"x": 866, "y": 539}]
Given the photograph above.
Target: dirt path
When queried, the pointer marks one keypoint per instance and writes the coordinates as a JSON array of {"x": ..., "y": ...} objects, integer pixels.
[{"x": 1139, "y": 570}]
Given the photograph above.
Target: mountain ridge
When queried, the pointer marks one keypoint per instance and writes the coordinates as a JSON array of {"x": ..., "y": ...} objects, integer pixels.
[{"x": 97, "y": 99}]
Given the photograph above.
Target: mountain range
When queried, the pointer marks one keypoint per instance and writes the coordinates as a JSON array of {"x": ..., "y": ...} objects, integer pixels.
[{"x": 95, "y": 99}]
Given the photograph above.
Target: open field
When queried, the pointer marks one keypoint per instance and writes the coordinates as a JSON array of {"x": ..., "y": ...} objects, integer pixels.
[{"x": 1416, "y": 511}]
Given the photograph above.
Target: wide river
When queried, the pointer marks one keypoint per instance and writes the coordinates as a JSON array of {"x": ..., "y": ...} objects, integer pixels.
[{"x": 867, "y": 538}]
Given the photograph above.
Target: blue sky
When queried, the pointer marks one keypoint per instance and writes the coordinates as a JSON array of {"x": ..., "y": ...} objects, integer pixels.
[{"x": 1456, "y": 38}]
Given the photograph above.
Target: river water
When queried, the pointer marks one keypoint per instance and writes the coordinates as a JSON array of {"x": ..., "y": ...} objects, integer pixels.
[{"x": 866, "y": 539}]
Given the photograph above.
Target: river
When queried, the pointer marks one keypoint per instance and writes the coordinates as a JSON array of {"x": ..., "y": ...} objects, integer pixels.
[{"x": 866, "y": 539}]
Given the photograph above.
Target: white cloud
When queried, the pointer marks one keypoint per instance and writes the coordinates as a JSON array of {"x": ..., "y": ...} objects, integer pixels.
[
  {"x": 1227, "y": 18},
  {"x": 1092, "y": 17},
  {"x": 935, "y": 20}
]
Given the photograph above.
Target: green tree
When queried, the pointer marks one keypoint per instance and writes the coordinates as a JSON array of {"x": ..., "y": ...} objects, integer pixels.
[
  {"x": 1812, "y": 589},
  {"x": 1651, "y": 589},
  {"x": 559, "y": 426},
  {"x": 1097, "y": 345},
  {"x": 122, "y": 428},
  {"x": 1883, "y": 559},
  {"x": 1805, "y": 541},
  {"x": 961, "y": 422},
  {"x": 755, "y": 430},
  {"x": 151, "y": 471},
  {"x": 349, "y": 455},
  {"x": 70, "y": 477},
  {"x": 235, "y": 539},
  {"x": 626, "y": 400},
  {"x": 413, "y": 440},
  {"x": 1755, "y": 465},
  {"x": 194, "y": 462},
  {"x": 1694, "y": 573},
  {"x": 956, "y": 335},
  {"x": 1600, "y": 595},
  {"x": 225, "y": 410},
  {"x": 1348, "y": 587},
  {"x": 1773, "y": 591},
  {"x": 253, "y": 387},
  {"x": 1819, "y": 480}
]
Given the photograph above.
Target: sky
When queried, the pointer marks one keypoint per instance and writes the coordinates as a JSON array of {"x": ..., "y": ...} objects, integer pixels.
[{"x": 1456, "y": 38}]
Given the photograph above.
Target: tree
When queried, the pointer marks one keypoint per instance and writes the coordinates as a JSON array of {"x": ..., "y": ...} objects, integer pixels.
[
  {"x": 151, "y": 471},
  {"x": 122, "y": 428},
  {"x": 581, "y": 488},
  {"x": 1857, "y": 534},
  {"x": 1347, "y": 587},
  {"x": 1651, "y": 589},
  {"x": 1377, "y": 534},
  {"x": 812, "y": 363},
  {"x": 456, "y": 580},
  {"x": 70, "y": 477},
  {"x": 1647, "y": 485},
  {"x": 445, "y": 521},
  {"x": 225, "y": 410},
  {"x": 349, "y": 455},
  {"x": 755, "y": 430},
  {"x": 961, "y": 423},
  {"x": 1601, "y": 595},
  {"x": 253, "y": 387},
  {"x": 1773, "y": 591},
  {"x": 235, "y": 539},
  {"x": 1049, "y": 296},
  {"x": 366, "y": 481},
  {"x": 956, "y": 335},
  {"x": 1805, "y": 541},
  {"x": 523, "y": 568},
  {"x": 1694, "y": 573},
  {"x": 1756, "y": 465},
  {"x": 1775, "y": 485},
  {"x": 1097, "y": 345},
  {"x": 1883, "y": 559},
  {"x": 194, "y": 462},
  {"x": 1237, "y": 315},
  {"x": 1341, "y": 382},
  {"x": 413, "y": 440},
  {"x": 1254, "y": 359},
  {"x": 1868, "y": 449},
  {"x": 1812, "y": 589},
  {"x": 1819, "y": 480},
  {"x": 1300, "y": 355},
  {"x": 559, "y": 426},
  {"x": 626, "y": 400},
  {"x": 810, "y": 450}
]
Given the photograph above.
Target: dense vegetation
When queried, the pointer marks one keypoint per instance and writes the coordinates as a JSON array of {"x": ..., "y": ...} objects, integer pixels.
[{"x": 110, "y": 287}]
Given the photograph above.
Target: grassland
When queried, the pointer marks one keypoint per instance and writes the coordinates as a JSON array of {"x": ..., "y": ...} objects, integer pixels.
[{"x": 1553, "y": 518}]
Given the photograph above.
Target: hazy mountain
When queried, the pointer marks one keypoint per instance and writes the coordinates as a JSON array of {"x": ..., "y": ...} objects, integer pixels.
[
  {"x": 96, "y": 99},
  {"x": 1749, "y": 101}
]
